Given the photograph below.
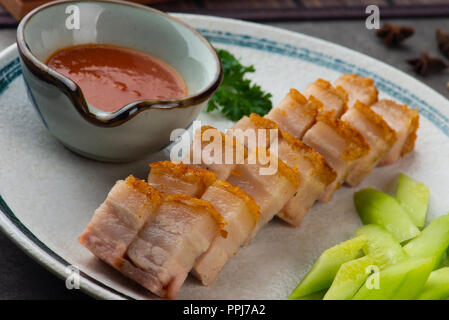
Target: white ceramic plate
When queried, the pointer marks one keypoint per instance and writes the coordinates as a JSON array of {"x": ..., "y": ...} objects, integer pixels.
[{"x": 48, "y": 194}]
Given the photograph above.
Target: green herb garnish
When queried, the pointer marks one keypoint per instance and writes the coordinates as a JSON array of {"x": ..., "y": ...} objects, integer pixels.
[{"x": 237, "y": 96}]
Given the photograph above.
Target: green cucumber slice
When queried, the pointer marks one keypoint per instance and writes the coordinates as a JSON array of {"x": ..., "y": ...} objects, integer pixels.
[
  {"x": 415, "y": 281},
  {"x": 380, "y": 208},
  {"x": 314, "y": 296},
  {"x": 323, "y": 271},
  {"x": 383, "y": 248},
  {"x": 350, "y": 277},
  {"x": 437, "y": 286},
  {"x": 413, "y": 196},
  {"x": 433, "y": 241},
  {"x": 402, "y": 281},
  {"x": 444, "y": 260}
]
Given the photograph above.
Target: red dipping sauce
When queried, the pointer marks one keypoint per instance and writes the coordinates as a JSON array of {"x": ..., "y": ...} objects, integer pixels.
[{"x": 112, "y": 76}]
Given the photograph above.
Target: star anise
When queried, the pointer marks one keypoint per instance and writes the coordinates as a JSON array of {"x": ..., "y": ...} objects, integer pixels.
[
  {"x": 443, "y": 41},
  {"x": 425, "y": 64},
  {"x": 394, "y": 35}
]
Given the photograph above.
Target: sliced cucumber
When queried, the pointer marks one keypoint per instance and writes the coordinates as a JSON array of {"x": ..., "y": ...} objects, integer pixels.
[
  {"x": 350, "y": 277},
  {"x": 444, "y": 260},
  {"x": 314, "y": 296},
  {"x": 383, "y": 248},
  {"x": 322, "y": 273},
  {"x": 380, "y": 208},
  {"x": 401, "y": 281},
  {"x": 413, "y": 196},
  {"x": 415, "y": 281},
  {"x": 437, "y": 286},
  {"x": 433, "y": 241}
]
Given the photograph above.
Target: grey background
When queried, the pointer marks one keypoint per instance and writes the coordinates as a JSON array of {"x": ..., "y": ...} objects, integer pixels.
[{"x": 22, "y": 278}]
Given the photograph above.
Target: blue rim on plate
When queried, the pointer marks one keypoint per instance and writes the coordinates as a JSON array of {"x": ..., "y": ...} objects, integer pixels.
[{"x": 12, "y": 71}]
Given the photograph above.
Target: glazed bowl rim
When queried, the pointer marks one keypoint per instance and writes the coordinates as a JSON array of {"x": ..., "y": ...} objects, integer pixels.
[{"x": 130, "y": 110}]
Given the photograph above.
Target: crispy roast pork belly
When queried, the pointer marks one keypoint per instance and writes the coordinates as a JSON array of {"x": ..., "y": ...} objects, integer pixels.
[
  {"x": 358, "y": 88},
  {"x": 405, "y": 121},
  {"x": 376, "y": 132},
  {"x": 314, "y": 176},
  {"x": 312, "y": 169},
  {"x": 333, "y": 98},
  {"x": 295, "y": 114},
  {"x": 171, "y": 178},
  {"x": 166, "y": 248},
  {"x": 215, "y": 151},
  {"x": 268, "y": 180},
  {"x": 115, "y": 224},
  {"x": 239, "y": 210},
  {"x": 339, "y": 143},
  {"x": 241, "y": 214},
  {"x": 254, "y": 131}
]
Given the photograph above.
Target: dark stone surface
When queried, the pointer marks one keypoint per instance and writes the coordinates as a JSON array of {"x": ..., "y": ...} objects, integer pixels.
[{"x": 22, "y": 278}]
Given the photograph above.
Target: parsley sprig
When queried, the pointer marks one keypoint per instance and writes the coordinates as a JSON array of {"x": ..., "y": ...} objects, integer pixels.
[{"x": 237, "y": 96}]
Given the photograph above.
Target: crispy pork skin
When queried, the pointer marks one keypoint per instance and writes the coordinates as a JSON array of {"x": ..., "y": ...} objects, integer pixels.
[
  {"x": 254, "y": 131},
  {"x": 333, "y": 99},
  {"x": 214, "y": 151},
  {"x": 339, "y": 143},
  {"x": 376, "y": 132},
  {"x": 402, "y": 119},
  {"x": 165, "y": 250},
  {"x": 241, "y": 214},
  {"x": 312, "y": 169},
  {"x": 295, "y": 114},
  {"x": 239, "y": 210},
  {"x": 171, "y": 178},
  {"x": 270, "y": 182},
  {"x": 358, "y": 88},
  {"x": 115, "y": 224}
]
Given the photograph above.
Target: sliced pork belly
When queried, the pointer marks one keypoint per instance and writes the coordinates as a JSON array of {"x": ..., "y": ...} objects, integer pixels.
[
  {"x": 358, "y": 88},
  {"x": 271, "y": 189},
  {"x": 254, "y": 131},
  {"x": 165, "y": 250},
  {"x": 295, "y": 114},
  {"x": 313, "y": 172},
  {"x": 405, "y": 121},
  {"x": 115, "y": 224},
  {"x": 171, "y": 178},
  {"x": 333, "y": 99},
  {"x": 376, "y": 132},
  {"x": 215, "y": 151},
  {"x": 241, "y": 214},
  {"x": 238, "y": 209},
  {"x": 339, "y": 143},
  {"x": 314, "y": 176}
]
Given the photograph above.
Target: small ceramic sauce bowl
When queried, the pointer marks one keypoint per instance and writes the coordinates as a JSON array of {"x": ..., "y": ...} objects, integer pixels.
[{"x": 140, "y": 127}]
